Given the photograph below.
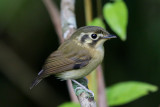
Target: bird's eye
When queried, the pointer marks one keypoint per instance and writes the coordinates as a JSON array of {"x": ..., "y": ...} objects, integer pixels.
[{"x": 94, "y": 36}]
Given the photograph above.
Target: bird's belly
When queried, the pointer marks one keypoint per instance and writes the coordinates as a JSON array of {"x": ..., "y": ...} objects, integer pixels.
[{"x": 79, "y": 73}]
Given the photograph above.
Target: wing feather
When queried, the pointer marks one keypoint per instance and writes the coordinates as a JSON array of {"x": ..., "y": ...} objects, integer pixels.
[{"x": 60, "y": 63}]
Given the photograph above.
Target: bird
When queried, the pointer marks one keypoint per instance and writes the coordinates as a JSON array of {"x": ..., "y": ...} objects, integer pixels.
[{"x": 76, "y": 57}]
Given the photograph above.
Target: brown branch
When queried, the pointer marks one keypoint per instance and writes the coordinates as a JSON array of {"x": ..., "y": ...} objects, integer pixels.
[
  {"x": 102, "y": 102},
  {"x": 55, "y": 17}
]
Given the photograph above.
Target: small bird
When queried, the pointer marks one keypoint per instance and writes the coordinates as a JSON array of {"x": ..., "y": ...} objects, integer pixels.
[{"x": 77, "y": 56}]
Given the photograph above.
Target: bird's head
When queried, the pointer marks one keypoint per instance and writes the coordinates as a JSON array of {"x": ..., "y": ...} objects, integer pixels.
[{"x": 91, "y": 36}]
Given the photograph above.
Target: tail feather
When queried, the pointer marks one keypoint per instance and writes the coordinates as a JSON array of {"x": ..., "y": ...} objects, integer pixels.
[{"x": 37, "y": 80}]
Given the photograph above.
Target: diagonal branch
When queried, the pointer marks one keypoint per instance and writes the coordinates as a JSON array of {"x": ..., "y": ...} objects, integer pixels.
[{"x": 55, "y": 17}]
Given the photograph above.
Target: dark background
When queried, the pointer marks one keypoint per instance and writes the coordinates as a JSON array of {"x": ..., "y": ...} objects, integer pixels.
[{"x": 27, "y": 37}]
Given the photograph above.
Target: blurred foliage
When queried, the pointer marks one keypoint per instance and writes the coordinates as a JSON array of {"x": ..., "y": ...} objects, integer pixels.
[
  {"x": 69, "y": 104},
  {"x": 125, "y": 92},
  {"x": 97, "y": 22},
  {"x": 116, "y": 15}
]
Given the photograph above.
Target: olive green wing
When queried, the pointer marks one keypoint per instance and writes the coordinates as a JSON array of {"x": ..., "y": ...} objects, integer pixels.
[{"x": 60, "y": 62}]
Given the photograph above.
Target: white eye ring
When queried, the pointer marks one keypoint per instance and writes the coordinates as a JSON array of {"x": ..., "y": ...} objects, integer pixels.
[{"x": 94, "y": 36}]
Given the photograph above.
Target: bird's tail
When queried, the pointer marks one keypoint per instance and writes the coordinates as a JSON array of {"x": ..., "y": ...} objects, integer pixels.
[{"x": 37, "y": 80}]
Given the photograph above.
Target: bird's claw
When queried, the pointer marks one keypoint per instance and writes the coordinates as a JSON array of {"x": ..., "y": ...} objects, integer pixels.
[{"x": 87, "y": 90}]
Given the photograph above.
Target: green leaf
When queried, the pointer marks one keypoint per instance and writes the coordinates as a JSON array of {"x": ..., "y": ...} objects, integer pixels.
[
  {"x": 97, "y": 22},
  {"x": 126, "y": 92},
  {"x": 116, "y": 15},
  {"x": 69, "y": 104}
]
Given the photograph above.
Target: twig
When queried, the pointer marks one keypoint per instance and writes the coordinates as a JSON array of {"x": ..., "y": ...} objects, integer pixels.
[
  {"x": 68, "y": 27},
  {"x": 55, "y": 17},
  {"x": 68, "y": 21}
]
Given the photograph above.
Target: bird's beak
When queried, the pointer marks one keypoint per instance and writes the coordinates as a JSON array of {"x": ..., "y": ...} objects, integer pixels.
[{"x": 109, "y": 36}]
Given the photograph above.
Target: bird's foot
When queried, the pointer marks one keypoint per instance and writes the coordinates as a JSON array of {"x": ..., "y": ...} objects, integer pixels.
[{"x": 82, "y": 87}]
